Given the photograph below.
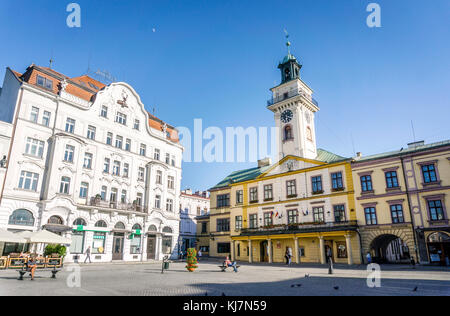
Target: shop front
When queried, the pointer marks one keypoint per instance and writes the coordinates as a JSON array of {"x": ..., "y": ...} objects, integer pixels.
[{"x": 438, "y": 244}]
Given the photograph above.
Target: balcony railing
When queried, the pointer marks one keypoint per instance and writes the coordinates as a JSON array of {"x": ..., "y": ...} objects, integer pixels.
[
  {"x": 132, "y": 207},
  {"x": 301, "y": 227},
  {"x": 292, "y": 94}
]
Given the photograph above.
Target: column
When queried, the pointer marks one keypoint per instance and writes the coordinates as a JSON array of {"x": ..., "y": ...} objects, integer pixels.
[
  {"x": 296, "y": 251},
  {"x": 144, "y": 246},
  {"x": 250, "y": 251},
  {"x": 322, "y": 250},
  {"x": 269, "y": 250},
  {"x": 233, "y": 244},
  {"x": 348, "y": 242}
]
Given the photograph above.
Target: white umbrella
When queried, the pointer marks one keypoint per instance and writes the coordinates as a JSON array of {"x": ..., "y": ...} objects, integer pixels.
[
  {"x": 7, "y": 236},
  {"x": 44, "y": 237}
]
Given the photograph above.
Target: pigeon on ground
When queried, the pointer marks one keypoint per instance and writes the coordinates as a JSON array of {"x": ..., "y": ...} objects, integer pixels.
[
  {"x": 415, "y": 289},
  {"x": 336, "y": 287},
  {"x": 307, "y": 275},
  {"x": 296, "y": 285}
]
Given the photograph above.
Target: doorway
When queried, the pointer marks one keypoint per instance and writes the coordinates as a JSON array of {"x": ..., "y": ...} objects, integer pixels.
[
  {"x": 329, "y": 251},
  {"x": 118, "y": 246},
  {"x": 263, "y": 246},
  {"x": 151, "y": 249}
]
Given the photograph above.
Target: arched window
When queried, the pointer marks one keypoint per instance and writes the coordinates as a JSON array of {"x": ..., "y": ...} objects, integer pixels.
[
  {"x": 288, "y": 133},
  {"x": 101, "y": 223},
  {"x": 152, "y": 228},
  {"x": 167, "y": 229},
  {"x": 137, "y": 226},
  {"x": 119, "y": 225},
  {"x": 438, "y": 237},
  {"x": 79, "y": 222},
  {"x": 21, "y": 217},
  {"x": 55, "y": 220}
]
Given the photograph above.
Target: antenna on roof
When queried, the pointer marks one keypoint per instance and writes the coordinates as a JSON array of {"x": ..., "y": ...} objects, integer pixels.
[
  {"x": 414, "y": 133},
  {"x": 353, "y": 144}
]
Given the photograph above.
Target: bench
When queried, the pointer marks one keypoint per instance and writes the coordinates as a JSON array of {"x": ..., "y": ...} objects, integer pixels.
[
  {"x": 25, "y": 270},
  {"x": 224, "y": 267}
]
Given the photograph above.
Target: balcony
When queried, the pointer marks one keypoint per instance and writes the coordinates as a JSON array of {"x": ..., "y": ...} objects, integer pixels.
[
  {"x": 130, "y": 207},
  {"x": 300, "y": 228},
  {"x": 292, "y": 94}
]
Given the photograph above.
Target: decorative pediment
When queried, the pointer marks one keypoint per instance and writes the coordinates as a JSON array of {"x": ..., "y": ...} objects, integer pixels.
[{"x": 289, "y": 164}]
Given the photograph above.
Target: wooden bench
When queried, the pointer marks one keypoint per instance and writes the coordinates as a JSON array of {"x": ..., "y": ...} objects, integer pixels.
[
  {"x": 224, "y": 267},
  {"x": 25, "y": 270}
]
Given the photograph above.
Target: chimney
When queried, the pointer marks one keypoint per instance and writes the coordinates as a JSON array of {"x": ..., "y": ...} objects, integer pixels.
[
  {"x": 358, "y": 155},
  {"x": 264, "y": 162},
  {"x": 416, "y": 144}
]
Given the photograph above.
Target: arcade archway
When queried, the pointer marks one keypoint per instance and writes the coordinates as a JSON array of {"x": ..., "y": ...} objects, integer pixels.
[{"x": 389, "y": 248}]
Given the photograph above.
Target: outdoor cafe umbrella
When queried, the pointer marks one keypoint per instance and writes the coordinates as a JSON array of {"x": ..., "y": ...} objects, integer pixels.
[
  {"x": 7, "y": 236},
  {"x": 44, "y": 237}
]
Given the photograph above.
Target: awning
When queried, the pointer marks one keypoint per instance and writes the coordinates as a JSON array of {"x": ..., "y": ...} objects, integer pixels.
[
  {"x": 7, "y": 236},
  {"x": 45, "y": 237},
  {"x": 57, "y": 228}
]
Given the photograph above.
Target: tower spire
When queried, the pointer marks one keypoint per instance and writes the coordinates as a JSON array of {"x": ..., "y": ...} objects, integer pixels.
[{"x": 288, "y": 44}]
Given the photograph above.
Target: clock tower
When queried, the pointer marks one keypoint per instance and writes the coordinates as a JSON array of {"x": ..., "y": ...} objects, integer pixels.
[{"x": 294, "y": 110}]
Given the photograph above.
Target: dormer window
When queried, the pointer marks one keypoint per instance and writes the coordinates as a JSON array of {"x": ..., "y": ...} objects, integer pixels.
[{"x": 44, "y": 82}]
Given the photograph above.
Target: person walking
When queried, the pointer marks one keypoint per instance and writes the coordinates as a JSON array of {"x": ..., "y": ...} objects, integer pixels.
[
  {"x": 88, "y": 254},
  {"x": 369, "y": 258},
  {"x": 289, "y": 254},
  {"x": 199, "y": 254}
]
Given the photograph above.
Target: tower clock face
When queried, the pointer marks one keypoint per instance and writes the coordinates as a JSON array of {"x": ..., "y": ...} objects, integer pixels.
[{"x": 286, "y": 116}]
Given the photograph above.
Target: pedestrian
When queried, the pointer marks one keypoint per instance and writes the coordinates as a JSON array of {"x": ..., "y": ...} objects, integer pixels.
[
  {"x": 413, "y": 262},
  {"x": 88, "y": 254},
  {"x": 286, "y": 255},
  {"x": 228, "y": 263},
  {"x": 369, "y": 258},
  {"x": 32, "y": 265},
  {"x": 199, "y": 254},
  {"x": 289, "y": 254}
]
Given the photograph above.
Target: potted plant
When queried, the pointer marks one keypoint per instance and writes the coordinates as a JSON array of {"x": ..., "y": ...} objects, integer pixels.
[{"x": 191, "y": 260}]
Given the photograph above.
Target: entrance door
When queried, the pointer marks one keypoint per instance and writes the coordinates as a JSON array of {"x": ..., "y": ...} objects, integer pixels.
[
  {"x": 151, "y": 243},
  {"x": 264, "y": 253},
  {"x": 118, "y": 246},
  {"x": 329, "y": 250}
]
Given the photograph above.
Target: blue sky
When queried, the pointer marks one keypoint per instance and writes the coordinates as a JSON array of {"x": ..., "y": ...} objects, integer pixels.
[{"x": 216, "y": 60}]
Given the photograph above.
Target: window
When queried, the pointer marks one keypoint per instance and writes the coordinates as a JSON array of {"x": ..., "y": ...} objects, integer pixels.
[
  {"x": 238, "y": 222},
  {"x": 141, "y": 173},
  {"x": 98, "y": 244},
  {"x": 87, "y": 161},
  {"x": 268, "y": 219},
  {"x": 239, "y": 197},
  {"x": 397, "y": 214},
  {"x": 28, "y": 181},
  {"x": 104, "y": 112},
  {"x": 292, "y": 217},
  {"x": 436, "y": 210},
  {"x": 135, "y": 246},
  {"x": 391, "y": 179},
  {"x": 156, "y": 154},
  {"x": 21, "y": 217},
  {"x": 113, "y": 195},
  {"x": 106, "y": 165},
  {"x": 46, "y": 118},
  {"x": 167, "y": 158},
  {"x": 84, "y": 190},
  {"x": 103, "y": 193},
  {"x": 268, "y": 192},
  {"x": 139, "y": 199},
  {"x": 64, "y": 185},
  {"x": 68, "y": 154},
  {"x": 318, "y": 215},
  {"x": 77, "y": 244},
  {"x": 143, "y": 150},
  {"x": 169, "y": 205},
  {"x": 371, "y": 215},
  {"x": 317, "y": 185},
  {"x": 136, "y": 124},
  {"x": 109, "y": 138},
  {"x": 291, "y": 188},
  {"x": 339, "y": 213},
  {"x": 173, "y": 161},
  {"x": 116, "y": 168},
  {"x": 170, "y": 182},
  {"x": 223, "y": 247},
  {"x": 159, "y": 177},
  {"x": 44, "y": 82},
  {"x": 341, "y": 248},
  {"x": 128, "y": 144},
  {"x": 34, "y": 147},
  {"x": 253, "y": 195},
  {"x": 288, "y": 133},
  {"x": 336, "y": 181},
  {"x": 253, "y": 221},
  {"x": 79, "y": 222},
  {"x": 204, "y": 228},
  {"x": 167, "y": 245},
  {"x": 34, "y": 114},
  {"x": 429, "y": 173},
  {"x": 223, "y": 200},
  {"x": 123, "y": 197},
  {"x": 126, "y": 170},
  {"x": 366, "y": 183},
  {"x": 121, "y": 118},
  {"x": 223, "y": 224},
  {"x": 91, "y": 132},
  {"x": 55, "y": 220},
  {"x": 158, "y": 201},
  {"x": 70, "y": 125},
  {"x": 119, "y": 141}
]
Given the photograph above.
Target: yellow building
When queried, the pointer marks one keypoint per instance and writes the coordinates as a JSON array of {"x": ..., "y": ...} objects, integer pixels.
[
  {"x": 304, "y": 203},
  {"x": 403, "y": 203},
  {"x": 203, "y": 234}
]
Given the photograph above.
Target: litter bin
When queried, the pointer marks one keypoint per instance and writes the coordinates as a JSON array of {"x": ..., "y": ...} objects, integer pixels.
[{"x": 166, "y": 265}]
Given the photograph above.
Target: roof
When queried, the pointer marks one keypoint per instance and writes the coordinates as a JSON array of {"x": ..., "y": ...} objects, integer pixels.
[
  {"x": 253, "y": 173},
  {"x": 287, "y": 58},
  {"x": 83, "y": 87},
  {"x": 404, "y": 151}
]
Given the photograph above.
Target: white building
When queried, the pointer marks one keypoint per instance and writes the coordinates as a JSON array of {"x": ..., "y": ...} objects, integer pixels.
[
  {"x": 191, "y": 205},
  {"x": 89, "y": 162}
]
